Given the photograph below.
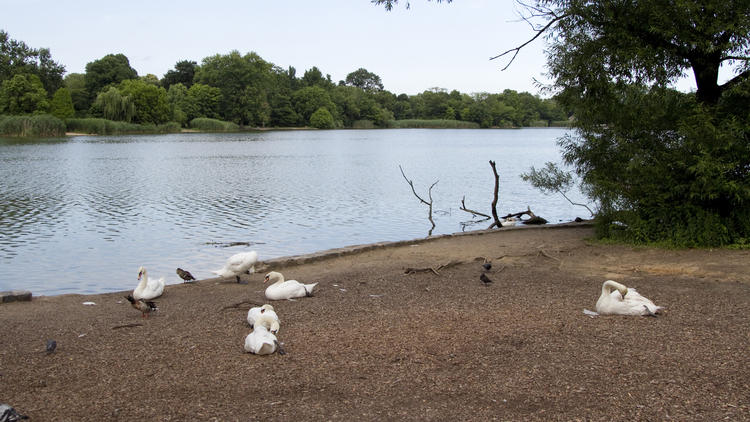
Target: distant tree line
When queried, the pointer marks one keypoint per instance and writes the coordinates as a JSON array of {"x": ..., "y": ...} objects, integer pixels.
[{"x": 243, "y": 89}]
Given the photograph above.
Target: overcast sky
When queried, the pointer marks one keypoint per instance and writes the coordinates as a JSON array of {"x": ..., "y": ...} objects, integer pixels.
[{"x": 430, "y": 45}]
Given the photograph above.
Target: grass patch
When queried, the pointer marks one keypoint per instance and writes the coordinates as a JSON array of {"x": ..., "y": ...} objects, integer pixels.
[
  {"x": 111, "y": 127},
  {"x": 39, "y": 126},
  {"x": 431, "y": 124},
  {"x": 213, "y": 125}
]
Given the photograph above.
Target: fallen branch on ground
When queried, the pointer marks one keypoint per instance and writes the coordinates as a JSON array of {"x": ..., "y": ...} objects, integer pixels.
[
  {"x": 237, "y": 305},
  {"x": 137, "y": 324},
  {"x": 436, "y": 270}
]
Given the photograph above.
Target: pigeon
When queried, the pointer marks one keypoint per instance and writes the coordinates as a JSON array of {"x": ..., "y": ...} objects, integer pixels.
[
  {"x": 185, "y": 275},
  {"x": 487, "y": 266},
  {"x": 51, "y": 346},
  {"x": 486, "y": 280},
  {"x": 145, "y": 306},
  {"x": 9, "y": 414}
]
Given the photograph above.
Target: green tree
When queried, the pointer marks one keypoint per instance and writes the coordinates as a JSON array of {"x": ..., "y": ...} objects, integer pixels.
[
  {"x": 23, "y": 94},
  {"x": 361, "y": 78},
  {"x": 150, "y": 101},
  {"x": 183, "y": 73},
  {"x": 206, "y": 99},
  {"x": 244, "y": 81},
  {"x": 18, "y": 58},
  {"x": 115, "y": 106},
  {"x": 62, "y": 104},
  {"x": 322, "y": 119},
  {"x": 109, "y": 70},
  {"x": 672, "y": 167},
  {"x": 76, "y": 84},
  {"x": 309, "y": 99},
  {"x": 182, "y": 106}
]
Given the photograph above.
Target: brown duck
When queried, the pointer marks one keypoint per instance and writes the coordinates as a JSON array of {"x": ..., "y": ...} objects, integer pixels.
[
  {"x": 185, "y": 275},
  {"x": 145, "y": 306}
]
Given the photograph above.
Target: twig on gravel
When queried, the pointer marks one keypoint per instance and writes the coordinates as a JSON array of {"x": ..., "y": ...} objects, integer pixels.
[
  {"x": 237, "y": 305},
  {"x": 436, "y": 270},
  {"x": 542, "y": 252},
  {"x": 137, "y": 324}
]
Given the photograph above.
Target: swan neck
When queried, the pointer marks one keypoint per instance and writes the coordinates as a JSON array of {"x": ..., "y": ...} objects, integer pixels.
[{"x": 610, "y": 285}]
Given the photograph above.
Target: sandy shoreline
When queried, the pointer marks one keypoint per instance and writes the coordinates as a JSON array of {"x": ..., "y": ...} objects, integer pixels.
[{"x": 376, "y": 343}]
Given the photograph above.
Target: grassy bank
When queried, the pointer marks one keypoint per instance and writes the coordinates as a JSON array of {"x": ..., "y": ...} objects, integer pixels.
[
  {"x": 41, "y": 125},
  {"x": 111, "y": 127},
  {"x": 430, "y": 124},
  {"x": 212, "y": 125}
]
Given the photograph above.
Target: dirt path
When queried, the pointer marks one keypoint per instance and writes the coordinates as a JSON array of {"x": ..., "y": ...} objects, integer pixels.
[{"x": 376, "y": 343}]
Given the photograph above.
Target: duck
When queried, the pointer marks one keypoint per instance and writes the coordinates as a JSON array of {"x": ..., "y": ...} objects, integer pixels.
[
  {"x": 280, "y": 289},
  {"x": 618, "y": 299},
  {"x": 254, "y": 315},
  {"x": 238, "y": 264},
  {"x": 185, "y": 275},
  {"x": 148, "y": 289},
  {"x": 145, "y": 306},
  {"x": 261, "y": 341}
]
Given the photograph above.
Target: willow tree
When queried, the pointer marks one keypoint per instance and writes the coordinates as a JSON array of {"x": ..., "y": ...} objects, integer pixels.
[
  {"x": 114, "y": 105},
  {"x": 663, "y": 165}
]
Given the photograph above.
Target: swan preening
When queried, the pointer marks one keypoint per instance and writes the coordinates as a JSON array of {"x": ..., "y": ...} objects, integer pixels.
[
  {"x": 148, "y": 289},
  {"x": 264, "y": 315},
  {"x": 618, "y": 299},
  {"x": 280, "y": 289},
  {"x": 262, "y": 340},
  {"x": 238, "y": 264}
]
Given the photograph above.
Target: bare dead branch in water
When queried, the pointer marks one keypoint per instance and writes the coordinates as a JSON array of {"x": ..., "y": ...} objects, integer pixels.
[
  {"x": 429, "y": 195},
  {"x": 476, "y": 213},
  {"x": 494, "y": 200}
]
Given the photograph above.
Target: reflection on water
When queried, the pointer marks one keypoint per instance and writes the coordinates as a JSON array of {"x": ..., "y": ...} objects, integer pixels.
[{"x": 82, "y": 214}]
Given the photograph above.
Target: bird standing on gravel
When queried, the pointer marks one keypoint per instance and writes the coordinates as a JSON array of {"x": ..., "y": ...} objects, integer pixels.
[
  {"x": 486, "y": 280},
  {"x": 487, "y": 266},
  {"x": 145, "y": 306},
  {"x": 51, "y": 346},
  {"x": 185, "y": 275}
]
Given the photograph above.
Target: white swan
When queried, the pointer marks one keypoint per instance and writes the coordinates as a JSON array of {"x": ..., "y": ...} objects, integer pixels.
[
  {"x": 261, "y": 341},
  {"x": 280, "y": 289},
  {"x": 147, "y": 288},
  {"x": 618, "y": 299},
  {"x": 508, "y": 222},
  {"x": 264, "y": 315},
  {"x": 238, "y": 264}
]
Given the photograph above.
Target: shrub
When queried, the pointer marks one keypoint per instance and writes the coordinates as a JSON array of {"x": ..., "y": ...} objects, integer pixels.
[
  {"x": 212, "y": 125},
  {"x": 322, "y": 119}
]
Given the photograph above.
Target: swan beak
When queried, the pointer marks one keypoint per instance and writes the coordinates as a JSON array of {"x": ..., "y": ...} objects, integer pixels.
[{"x": 265, "y": 279}]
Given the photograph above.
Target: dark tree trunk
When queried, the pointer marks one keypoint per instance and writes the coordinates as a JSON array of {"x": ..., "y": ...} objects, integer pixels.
[{"x": 706, "y": 70}]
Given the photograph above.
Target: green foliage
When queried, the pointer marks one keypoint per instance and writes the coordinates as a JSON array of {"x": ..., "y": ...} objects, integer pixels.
[
  {"x": 322, "y": 119},
  {"x": 62, "y": 104},
  {"x": 115, "y": 106},
  {"x": 365, "y": 80},
  {"x": 40, "y": 125},
  {"x": 111, "y": 127},
  {"x": 183, "y": 73},
  {"x": 244, "y": 82},
  {"x": 109, "y": 70},
  {"x": 309, "y": 99},
  {"x": 17, "y": 58},
  {"x": 207, "y": 101},
  {"x": 23, "y": 94},
  {"x": 213, "y": 125},
  {"x": 76, "y": 84},
  {"x": 431, "y": 124},
  {"x": 150, "y": 101},
  {"x": 552, "y": 179}
]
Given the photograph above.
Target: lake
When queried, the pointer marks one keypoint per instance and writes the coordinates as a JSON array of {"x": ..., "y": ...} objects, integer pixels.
[{"x": 81, "y": 214}]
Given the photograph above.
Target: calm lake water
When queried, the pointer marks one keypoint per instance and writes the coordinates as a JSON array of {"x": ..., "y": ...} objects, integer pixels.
[{"x": 81, "y": 214}]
